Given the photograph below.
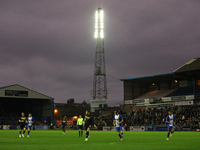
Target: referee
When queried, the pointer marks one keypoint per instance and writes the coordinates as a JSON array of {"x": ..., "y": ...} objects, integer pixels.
[{"x": 80, "y": 125}]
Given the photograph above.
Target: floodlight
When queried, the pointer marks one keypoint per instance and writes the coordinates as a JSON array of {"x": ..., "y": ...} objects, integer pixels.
[
  {"x": 99, "y": 83},
  {"x": 99, "y": 25}
]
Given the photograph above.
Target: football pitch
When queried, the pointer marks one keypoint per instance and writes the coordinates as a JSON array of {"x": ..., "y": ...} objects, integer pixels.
[{"x": 98, "y": 140}]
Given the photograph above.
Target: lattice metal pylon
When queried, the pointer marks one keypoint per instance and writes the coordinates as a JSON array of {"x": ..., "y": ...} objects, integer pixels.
[{"x": 99, "y": 81}]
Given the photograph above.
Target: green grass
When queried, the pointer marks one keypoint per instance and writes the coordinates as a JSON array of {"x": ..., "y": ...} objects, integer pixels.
[{"x": 99, "y": 140}]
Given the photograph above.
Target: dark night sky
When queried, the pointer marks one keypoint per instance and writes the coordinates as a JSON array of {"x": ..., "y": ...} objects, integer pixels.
[{"x": 49, "y": 45}]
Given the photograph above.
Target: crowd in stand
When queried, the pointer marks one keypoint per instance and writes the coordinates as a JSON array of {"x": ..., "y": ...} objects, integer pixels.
[{"x": 185, "y": 116}]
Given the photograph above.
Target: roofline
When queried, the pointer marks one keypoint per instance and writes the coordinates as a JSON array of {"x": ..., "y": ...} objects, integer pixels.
[
  {"x": 171, "y": 73},
  {"x": 51, "y": 98},
  {"x": 190, "y": 61},
  {"x": 186, "y": 70}
]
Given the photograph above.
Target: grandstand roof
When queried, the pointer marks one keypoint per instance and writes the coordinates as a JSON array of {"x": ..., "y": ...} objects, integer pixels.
[
  {"x": 18, "y": 88},
  {"x": 190, "y": 65},
  {"x": 188, "y": 70},
  {"x": 152, "y": 78},
  {"x": 156, "y": 78}
]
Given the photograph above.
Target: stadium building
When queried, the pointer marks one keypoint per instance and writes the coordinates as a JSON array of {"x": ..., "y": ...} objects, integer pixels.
[
  {"x": 15, "y": 99},
  {"x": 180, "y": 87}
]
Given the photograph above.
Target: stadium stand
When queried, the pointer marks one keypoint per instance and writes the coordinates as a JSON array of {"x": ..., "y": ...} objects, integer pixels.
[
  {"x": 158, "y": 94},
  {"x": 179, "y": 91},
  {"x": 185, "y": 115},
  {"x": 15, "y": 99}
]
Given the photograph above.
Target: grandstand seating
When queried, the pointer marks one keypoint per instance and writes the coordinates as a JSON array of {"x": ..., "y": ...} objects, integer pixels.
[
  {"x": 8, "y": 118},
  {"x": 158, "y": 94},
  {"x": 183, "y": 91},
  {"x": 187, "y": 115}
]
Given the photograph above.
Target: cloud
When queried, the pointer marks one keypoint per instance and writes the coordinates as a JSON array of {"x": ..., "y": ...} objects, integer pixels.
[{"x": 49, "y": 46}]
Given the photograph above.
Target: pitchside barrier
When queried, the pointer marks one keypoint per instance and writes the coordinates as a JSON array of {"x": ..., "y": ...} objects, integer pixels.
[
  {"x": 76, "y": 128},
  {"x": 17, "y": 127},
  {"x": 165, "y": 128},
  {"x": 156, "y": 128},
  {"x": 40, "y": 127},
  {"x": 109, "y": 128},
  {"x": 136, "y": 128},
  {"x": 148, "y": 128},
  {"x": 6, "y": 127}
]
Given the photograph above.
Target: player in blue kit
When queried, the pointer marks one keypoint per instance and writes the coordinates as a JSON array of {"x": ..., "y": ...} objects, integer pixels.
[
  {"x": 170, "y": 120},
  {"x": 117, "y": 122},
  {"x": 30, "y": 121}
]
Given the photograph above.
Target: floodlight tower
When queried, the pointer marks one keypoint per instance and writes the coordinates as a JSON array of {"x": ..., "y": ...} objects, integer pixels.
[{"x": 99, "y": 82}]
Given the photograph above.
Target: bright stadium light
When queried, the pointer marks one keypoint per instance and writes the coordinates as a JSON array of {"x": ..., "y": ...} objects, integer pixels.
[
  {"x": 99, "y": 25},
  {"x": 99, "y": 92}
]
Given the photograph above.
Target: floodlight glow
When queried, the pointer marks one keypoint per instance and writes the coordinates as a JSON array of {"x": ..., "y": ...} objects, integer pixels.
[
  {"x": 101, "y": 34},
  {"x": 99, "y": 25}
]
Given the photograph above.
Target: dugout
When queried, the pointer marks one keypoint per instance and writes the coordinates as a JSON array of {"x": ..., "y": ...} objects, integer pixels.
[
  {"x": 182, "y": 82},
  {"x": 15, "y": 99}
]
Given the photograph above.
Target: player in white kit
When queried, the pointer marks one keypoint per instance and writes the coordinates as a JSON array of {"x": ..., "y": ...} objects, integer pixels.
[
  {"x": 30, "y": 121},
  {"x": 170, "y": 120},
  {"x": 117, "y": 122}
]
